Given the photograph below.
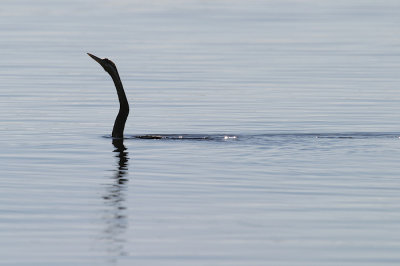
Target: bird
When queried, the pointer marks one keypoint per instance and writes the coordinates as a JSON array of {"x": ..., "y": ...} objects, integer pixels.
[{"x": 120, "y": 120}]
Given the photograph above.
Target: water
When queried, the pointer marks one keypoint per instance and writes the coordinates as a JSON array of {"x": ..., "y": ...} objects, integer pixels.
[{"x": 294, "y": 106}]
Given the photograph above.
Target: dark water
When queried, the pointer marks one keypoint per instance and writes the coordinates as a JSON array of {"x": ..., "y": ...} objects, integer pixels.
[{"x": 278, "y": 133}]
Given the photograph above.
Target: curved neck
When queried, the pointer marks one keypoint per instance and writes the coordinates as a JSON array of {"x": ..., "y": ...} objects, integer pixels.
[{"x": 119, "y": 124}]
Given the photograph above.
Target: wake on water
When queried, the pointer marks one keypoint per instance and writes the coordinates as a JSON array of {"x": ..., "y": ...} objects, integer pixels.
[{"x": 268, "y": 136}]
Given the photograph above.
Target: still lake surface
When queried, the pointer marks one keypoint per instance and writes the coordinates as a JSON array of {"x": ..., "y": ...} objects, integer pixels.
[{"x": 309, "y": 88}]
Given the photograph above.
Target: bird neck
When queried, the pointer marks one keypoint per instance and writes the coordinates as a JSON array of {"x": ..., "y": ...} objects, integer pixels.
[{"x": 119, "y": 124}]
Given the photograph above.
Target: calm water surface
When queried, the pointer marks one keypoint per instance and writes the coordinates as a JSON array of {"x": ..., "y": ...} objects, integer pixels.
[{"x": 310, "y": 90}]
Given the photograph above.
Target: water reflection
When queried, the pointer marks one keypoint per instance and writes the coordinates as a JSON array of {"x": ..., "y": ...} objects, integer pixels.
[{"x": 116, "y": 219}]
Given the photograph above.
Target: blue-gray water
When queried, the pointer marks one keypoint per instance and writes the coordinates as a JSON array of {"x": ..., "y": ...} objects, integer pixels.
[{"x": 310, "y": 89}]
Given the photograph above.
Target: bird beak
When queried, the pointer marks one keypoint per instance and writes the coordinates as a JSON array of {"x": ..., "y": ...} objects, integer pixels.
[{"x": 95, "y": 58}]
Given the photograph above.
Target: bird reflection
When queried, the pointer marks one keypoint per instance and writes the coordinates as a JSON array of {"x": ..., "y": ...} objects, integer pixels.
[
  {"x": 116, "y": 215},
  {"x": 122, "y": 154}
]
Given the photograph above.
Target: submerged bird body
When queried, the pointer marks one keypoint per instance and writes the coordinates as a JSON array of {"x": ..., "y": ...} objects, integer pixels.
[{"x": 119, "y": 124}]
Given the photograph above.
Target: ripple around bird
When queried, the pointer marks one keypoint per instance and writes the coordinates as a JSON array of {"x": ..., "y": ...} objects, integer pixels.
[{"x": 265, "y": 137}]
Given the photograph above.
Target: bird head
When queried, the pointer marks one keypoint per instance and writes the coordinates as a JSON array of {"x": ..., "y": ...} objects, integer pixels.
[{"x": 107, "y": 64}]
